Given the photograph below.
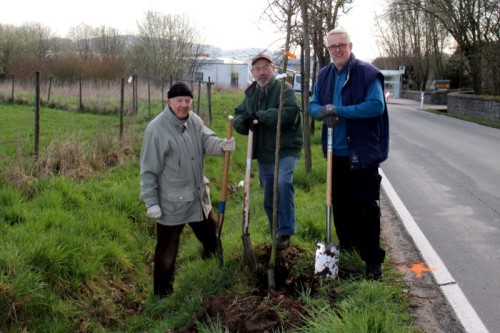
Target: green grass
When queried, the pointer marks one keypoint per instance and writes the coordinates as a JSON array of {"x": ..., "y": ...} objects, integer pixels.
[
  {"x": 365, "y": 308},
  {"x": 76, "y": 253}
]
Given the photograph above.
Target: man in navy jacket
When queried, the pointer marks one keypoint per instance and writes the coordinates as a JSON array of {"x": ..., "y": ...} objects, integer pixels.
[{"x": 348, "y": 96}]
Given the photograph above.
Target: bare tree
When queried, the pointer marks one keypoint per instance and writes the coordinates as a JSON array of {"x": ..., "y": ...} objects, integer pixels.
[
  {"x": 394, "y": 36},
  {"x": 283, "y": 15},
  {"x": 25, "y": 49},
  {"x": 419, "y": 33},
  {"x": 288, "y": 8},
  {"x": 108, "y": 41},
  {"x": 307, "y": 21},
  {"x": 28, "y": 40},
  {"x": 306, "y": 71},
  {"x": 491, "y": 48},
  {"x": 413, "y": 38},
  {"x": 81, "y": 36},
  {"x": 7, "y": 46},
  {"x": 167, "y": 45},
  {"x": 466, "y": 20},
  {"x": 324, "y": 17},
  {"x": 39, "y": 38}
]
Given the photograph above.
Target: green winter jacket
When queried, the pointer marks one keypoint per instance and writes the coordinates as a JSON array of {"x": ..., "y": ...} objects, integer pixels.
[{"x": 265, "y": 132}]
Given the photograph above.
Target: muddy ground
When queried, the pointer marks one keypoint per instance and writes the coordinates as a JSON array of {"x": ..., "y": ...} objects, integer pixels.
[{"x": 260, "y": 310}]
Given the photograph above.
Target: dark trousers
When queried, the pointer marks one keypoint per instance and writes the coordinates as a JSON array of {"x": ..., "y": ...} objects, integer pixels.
[
  {"x": 356, "y": 210},
  {"x": 167, "y": 247}
]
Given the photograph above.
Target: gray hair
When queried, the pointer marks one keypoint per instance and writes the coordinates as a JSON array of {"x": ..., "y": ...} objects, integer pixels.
[{"x": 339, "y": 31}]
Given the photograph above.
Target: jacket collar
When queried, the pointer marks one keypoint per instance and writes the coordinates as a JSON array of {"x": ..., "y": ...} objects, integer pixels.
[{"x": 181, "y": 125}]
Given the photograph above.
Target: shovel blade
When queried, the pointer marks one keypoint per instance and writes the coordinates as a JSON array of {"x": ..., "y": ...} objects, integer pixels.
[
  {"x": 220, "y": 252},
  {"x": 327, "y": 261},
  {"x": 249, "y": 255}
]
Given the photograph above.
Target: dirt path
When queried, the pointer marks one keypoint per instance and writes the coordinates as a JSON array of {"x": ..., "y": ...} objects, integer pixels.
[{"x": 432, "y": 312}]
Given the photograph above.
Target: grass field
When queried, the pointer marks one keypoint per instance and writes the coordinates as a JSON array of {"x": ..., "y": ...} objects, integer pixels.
[{"x": 76, "y": 247}]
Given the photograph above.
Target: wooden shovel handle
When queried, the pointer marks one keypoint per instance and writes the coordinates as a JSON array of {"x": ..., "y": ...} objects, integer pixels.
[
  {"x": 246, "y": 192},
  {"x": 229, "y": 131}
]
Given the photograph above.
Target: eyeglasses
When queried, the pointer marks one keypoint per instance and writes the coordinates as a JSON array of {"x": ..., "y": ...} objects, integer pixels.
[
  {"x": 334, "y": 47},
  {"x": 261, "y": 69}
]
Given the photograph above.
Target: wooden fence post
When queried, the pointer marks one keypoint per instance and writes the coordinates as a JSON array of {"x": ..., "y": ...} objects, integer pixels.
[
  {"x": 122, "y": 102},
  {"x": 162, "y": 93},
  {"x": 199, "y": 96},
  {"x": 194, "y": 103},
  {"x": 37, "y": 115},
  {"x": 12, "y": 96},
  {"x": 48, "y": 89},
  {"x": 133, "y": 93},
  {"x": 149, "y": 97},
  {"x": 80, "y": 105},
  {"x": 136, "y": 93},
  {"x": 209, "y": 99}
]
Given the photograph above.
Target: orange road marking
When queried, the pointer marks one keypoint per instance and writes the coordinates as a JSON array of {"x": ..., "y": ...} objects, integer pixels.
[{"x": 418, "y": 269}]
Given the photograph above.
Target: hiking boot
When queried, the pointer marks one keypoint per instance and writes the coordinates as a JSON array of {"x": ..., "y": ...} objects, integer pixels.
[
  {"x": 374, "y": 271},
  {"x": 282, "y": 242}
]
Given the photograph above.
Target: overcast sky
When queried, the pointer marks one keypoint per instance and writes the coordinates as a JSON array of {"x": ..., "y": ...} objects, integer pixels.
[{"x": 225, "y": 24}]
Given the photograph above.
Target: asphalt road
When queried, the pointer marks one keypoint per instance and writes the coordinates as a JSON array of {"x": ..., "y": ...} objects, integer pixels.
[{"x": 447, "y": 174}]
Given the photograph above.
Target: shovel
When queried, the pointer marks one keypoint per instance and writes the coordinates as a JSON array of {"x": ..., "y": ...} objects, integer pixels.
[
  {"x": 222, "y": 205},
  {"x": 327, "y": 255},
  {"x": 249, "y": 255},
  {"x": 272, "y": 261}
]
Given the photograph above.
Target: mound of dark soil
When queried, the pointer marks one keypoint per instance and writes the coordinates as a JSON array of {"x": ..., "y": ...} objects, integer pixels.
[{"x": 264, "y": 309}]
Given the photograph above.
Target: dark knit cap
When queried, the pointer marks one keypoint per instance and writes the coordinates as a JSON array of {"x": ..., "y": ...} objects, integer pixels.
[{"x": 179, "y": 89}]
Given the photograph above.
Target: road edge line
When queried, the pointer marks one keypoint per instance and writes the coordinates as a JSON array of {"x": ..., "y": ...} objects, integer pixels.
[{"x": 449, "y": 287}]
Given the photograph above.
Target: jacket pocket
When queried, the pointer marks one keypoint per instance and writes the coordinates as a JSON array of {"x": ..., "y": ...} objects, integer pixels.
[{"x": 177, "y": 202}]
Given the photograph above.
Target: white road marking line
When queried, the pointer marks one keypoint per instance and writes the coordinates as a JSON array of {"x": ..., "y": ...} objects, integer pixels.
[{"x": 451, "y": 290}]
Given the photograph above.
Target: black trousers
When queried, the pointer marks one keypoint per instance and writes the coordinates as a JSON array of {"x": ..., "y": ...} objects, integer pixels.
[
  {"x": 167, "y": 247},
  {"x": 356, "y": 210}
]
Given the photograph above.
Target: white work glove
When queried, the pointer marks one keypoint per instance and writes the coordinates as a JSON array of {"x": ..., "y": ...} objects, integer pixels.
[
  {"x": 228, "y": 145},
  {"x": 154, "y": 212}
]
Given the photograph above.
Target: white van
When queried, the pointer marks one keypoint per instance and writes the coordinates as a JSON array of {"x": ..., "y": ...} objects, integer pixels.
[{"x": 297, "y": 83}]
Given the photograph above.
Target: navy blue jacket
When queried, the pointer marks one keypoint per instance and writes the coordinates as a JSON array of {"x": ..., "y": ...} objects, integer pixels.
[{"x": 367, "y": 138}]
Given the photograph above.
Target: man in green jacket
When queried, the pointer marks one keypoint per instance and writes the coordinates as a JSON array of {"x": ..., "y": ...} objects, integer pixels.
[{"x": 261, "y": 106}]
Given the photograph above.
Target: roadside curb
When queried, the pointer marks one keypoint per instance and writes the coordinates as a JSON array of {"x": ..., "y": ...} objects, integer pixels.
[{"x": 416, "y": 105}]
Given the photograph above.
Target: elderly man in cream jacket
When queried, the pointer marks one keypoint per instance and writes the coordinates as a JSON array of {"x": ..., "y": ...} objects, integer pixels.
[{"x": 173, "y": 185}]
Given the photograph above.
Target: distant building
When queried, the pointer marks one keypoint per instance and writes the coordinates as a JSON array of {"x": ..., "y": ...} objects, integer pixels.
[
  {"x": 226, "y": 73},
  {"x": 392, "y": 82}
]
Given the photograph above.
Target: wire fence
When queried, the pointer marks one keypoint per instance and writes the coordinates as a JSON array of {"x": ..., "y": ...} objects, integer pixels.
[
  {"x": 133, "y": 99},
  {"x": 141, "y": 94}
]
